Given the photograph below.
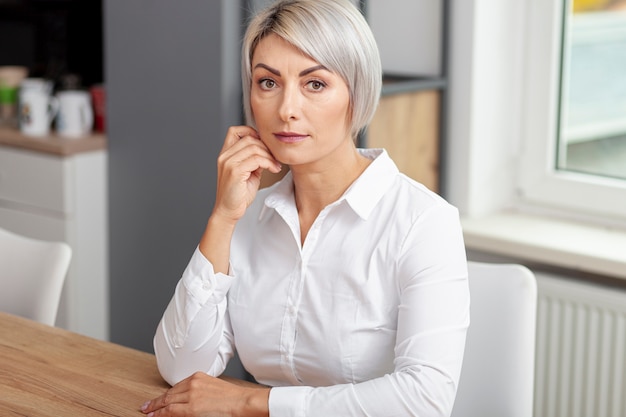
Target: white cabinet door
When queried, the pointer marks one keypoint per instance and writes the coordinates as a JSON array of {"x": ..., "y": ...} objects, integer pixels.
[
  {"x": 34, "y": 180},
  {"x": 64, "y": 198}
]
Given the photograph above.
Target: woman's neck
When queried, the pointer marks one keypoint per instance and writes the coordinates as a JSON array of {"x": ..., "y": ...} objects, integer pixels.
[{"x": 317, "y": 187}]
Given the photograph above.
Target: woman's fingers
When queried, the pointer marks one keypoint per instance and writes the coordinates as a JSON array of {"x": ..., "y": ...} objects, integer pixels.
[
  {"x": 172, "y": 400},
  {"x": 248, "y": 162},
  {"x": 235, "y": 133},
  {"x": 198, "y": 395},
  {"x": 241, "y": 142},
  {"x": 167, "y": 404},
  {"x": 248, "y": 150},
  {"x": 239, "y": 166}
]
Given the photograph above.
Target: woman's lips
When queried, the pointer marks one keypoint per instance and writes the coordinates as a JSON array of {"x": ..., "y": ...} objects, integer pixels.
[{"x": 290, "y": 137}]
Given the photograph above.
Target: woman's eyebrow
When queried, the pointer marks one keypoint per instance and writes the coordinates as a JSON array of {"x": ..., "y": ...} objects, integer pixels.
[
  {"x": 312, "y": 69},
  {"x": 302, "y": 73},
  {"x": 267, "y": 67}
]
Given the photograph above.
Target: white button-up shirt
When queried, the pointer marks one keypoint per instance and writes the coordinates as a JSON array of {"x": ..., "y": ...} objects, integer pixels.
[{"x": 367, "y": 318}]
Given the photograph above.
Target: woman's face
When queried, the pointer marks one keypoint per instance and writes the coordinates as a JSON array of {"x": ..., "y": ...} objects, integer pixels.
[{"x": 300, "y": 107}]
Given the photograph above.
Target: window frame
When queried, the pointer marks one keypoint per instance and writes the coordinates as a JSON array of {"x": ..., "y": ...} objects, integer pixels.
[{"x": 540, "y": 183}]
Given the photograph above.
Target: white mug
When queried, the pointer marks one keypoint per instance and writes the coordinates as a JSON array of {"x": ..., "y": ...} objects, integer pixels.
[
  {"x": 75, "y": 113},
  {"x": 36, "y": 112},
  {"x": 38, "y": 84}
]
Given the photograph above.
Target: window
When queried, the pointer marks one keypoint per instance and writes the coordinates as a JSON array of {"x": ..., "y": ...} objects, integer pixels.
[
  {"x": 575, "y": 107},
  {"x": 592, "y": 133}
]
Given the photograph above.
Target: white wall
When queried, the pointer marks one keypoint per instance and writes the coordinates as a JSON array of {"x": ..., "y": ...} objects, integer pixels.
[
  {"x": 409, "y": 35},
  {"x": 485, "y": 103}
]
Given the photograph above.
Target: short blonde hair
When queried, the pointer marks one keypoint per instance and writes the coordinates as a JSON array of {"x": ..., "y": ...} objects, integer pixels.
[{"x": 331, "y": 32}]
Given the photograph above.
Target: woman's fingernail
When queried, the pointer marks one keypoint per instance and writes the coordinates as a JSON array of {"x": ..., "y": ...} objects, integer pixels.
[{"x": 145, "y": 406}]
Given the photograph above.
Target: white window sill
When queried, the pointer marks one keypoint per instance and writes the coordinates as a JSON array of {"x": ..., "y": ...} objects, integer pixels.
[{"x": 555, "y": 242}]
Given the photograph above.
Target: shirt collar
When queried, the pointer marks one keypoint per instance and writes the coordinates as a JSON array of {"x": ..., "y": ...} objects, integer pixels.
[
  {"x": 369, "y": 188},
  {"x": 280, "y": 196},
  {"x": 362, "y": 195}
]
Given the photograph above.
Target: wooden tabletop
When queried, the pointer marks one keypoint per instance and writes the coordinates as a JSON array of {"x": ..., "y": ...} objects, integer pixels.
[
  {"x": 53, "y": 143},
  {"x": 47, "y": 371}
]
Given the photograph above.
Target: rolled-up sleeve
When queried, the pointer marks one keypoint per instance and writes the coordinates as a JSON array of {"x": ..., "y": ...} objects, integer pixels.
[{"x": 194, "y": 333}]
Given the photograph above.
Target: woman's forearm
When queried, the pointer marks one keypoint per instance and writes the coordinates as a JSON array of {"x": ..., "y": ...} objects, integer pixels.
[{"x": 215, "y": 242}]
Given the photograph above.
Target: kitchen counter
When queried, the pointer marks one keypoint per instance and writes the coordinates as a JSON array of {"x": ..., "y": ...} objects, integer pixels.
[
  {"x": 53, "y": 188},
  {"x": 52, "y": 144}
]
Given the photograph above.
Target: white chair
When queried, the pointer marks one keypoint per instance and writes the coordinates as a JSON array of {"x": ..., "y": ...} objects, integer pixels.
[
  {"x": 32, "y": 273},
  {"x": 497, "y": 379}
]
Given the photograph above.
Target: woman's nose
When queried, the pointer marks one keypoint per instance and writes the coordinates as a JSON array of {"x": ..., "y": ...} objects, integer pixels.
[{"x": 290, "y": 104}]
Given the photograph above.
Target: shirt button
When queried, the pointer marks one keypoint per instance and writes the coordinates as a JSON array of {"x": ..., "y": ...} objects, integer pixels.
[{"x": 207, "y": 285}]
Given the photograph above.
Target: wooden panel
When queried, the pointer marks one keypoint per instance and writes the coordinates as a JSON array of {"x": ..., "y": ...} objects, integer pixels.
[{"x": 407, "y": 126}]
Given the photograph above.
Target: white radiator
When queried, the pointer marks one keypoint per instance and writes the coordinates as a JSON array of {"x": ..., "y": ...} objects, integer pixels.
[{"x": 581, "y": 349}]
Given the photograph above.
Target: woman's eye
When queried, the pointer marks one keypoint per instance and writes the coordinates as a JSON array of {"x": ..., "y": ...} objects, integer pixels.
[
  {"x": 267, "y": 84},
  {"x": 316, "y": 85}
]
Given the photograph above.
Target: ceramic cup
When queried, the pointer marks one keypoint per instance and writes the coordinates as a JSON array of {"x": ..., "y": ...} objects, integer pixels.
[
  {"x": 75, "y": 117},
  {"x": 37, "y": 84},
  {"x": 36, "y": 112}
]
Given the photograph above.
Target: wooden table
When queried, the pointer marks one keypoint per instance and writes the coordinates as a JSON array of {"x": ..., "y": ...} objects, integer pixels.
[{"x": 47, "y": 371}]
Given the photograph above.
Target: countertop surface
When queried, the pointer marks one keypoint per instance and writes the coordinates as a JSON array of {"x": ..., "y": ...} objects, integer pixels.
[{"x": 52, "y": 144}]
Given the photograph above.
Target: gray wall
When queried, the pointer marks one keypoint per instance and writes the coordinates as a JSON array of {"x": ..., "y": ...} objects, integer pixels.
[{"x": 172, "y": 78}]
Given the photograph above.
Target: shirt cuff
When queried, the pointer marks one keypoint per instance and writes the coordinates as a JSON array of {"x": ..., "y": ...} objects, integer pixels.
[
  {"x": 288, "y": 401},
  {"x": 201, "y": 281}
]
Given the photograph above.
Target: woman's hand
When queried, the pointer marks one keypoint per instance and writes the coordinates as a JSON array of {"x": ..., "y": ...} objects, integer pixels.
[
  {"x": 206, "y": 396},
  {"x": 239, "y": 166}
]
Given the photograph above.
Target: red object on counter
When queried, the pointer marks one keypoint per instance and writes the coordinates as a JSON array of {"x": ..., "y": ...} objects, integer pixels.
[{"x": 98, "y": 98}]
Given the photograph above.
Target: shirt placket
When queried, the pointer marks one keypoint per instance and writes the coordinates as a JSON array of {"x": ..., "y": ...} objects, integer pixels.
[{"x": 289, "y": 334}]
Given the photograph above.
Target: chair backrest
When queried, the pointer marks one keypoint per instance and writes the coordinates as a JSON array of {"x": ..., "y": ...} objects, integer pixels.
[
  {"x": 32, "y": 273},
  {"x": 497, "y": 378}
]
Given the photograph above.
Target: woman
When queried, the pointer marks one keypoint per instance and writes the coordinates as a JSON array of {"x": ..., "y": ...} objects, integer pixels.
[{"x": 343, "y": 288}]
